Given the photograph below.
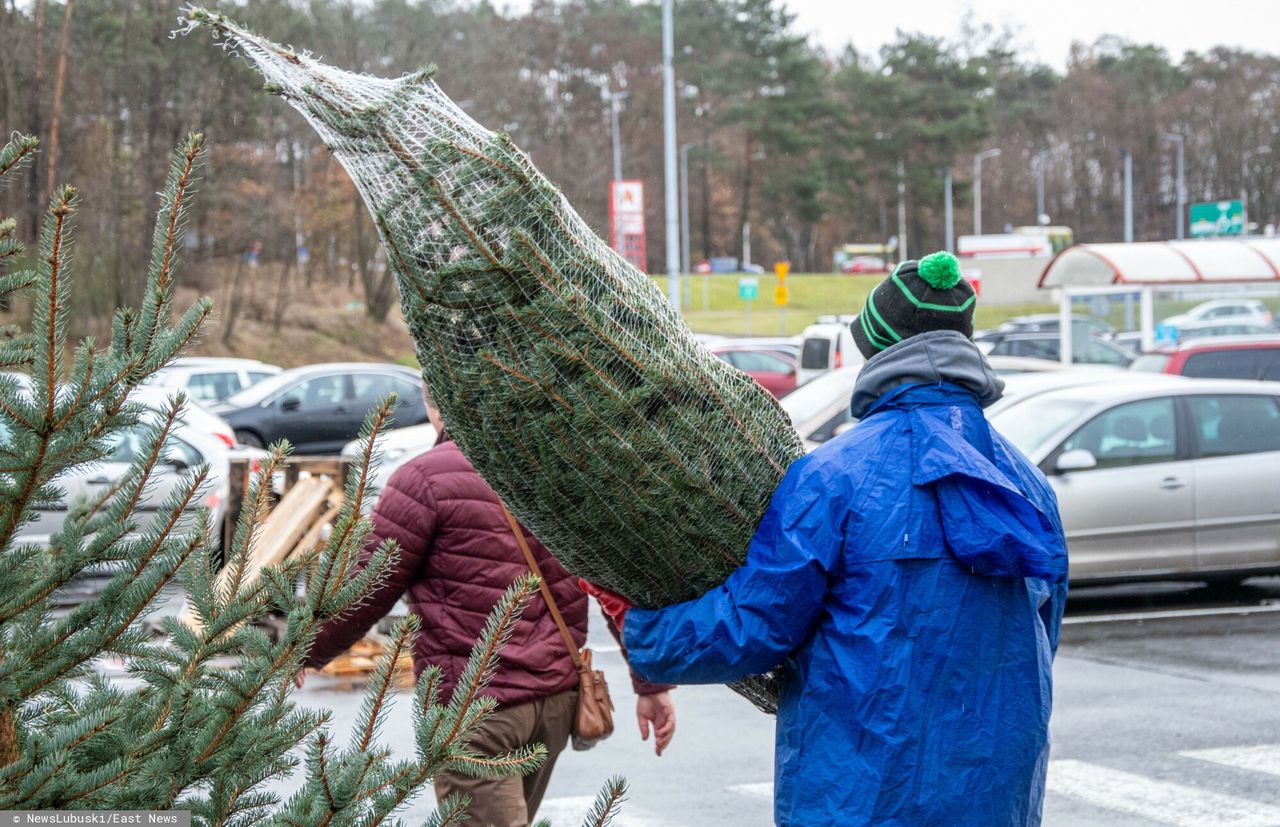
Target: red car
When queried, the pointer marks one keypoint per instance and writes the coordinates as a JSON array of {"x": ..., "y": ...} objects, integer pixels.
[
  {"x": 864, "y": 264},
  {"x": 1225, "y": 357},
  {"x": 773, "y": 369}
]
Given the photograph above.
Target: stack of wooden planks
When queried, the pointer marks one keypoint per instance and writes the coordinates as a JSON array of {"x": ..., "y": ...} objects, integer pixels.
[
  {"x": 296, "y": 525},
  {"x": 362, "y": 658}
]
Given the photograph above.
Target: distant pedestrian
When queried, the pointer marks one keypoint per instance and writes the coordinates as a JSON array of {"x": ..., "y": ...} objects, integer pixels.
[
  {"x": 457, "y": 556},
  {"x": 907, "y": 583}
]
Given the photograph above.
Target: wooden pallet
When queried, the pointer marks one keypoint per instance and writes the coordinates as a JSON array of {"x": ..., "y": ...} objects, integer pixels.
[
  {"x": 362, "y": 658},
  {"x": 294, "y": 526}
]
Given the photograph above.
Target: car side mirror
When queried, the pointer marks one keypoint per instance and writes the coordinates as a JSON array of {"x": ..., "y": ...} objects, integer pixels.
[
  {"x": 290, "y": 403},
  {"x": 178, "y": 464},
  {"x": 1080, "y": 459}
]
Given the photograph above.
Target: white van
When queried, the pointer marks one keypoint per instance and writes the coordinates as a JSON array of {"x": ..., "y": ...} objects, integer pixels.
[{"x": 825, "y": 346}]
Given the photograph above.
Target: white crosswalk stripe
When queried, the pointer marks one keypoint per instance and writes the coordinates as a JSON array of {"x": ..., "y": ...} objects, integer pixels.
[
  {"x": 764, "y": 790},
  {"x": 1131, "y": 794},
  {"x": 1165, "y": 802},
  {"x": 1264, "y": 758},
  {"x": 571, "y": 811}
]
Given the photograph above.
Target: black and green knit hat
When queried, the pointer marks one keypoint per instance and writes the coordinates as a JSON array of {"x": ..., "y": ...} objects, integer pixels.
[{"x": 918, "y": 296}]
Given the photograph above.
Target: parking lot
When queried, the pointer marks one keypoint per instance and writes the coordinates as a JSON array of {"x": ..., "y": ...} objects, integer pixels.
[{"x": 1164, "y": 714}]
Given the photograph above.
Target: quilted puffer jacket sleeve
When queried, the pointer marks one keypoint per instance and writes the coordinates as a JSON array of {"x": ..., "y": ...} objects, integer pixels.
[
  {"x": 406, "y": 513},
  {"x": 766, "y": 608}
]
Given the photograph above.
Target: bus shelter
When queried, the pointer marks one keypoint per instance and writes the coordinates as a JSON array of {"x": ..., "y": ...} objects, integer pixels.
[{"x": 1204, "y": 269}]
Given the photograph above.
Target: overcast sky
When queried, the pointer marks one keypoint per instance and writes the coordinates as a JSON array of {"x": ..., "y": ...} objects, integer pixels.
[{"x": 1047, "y": 29}]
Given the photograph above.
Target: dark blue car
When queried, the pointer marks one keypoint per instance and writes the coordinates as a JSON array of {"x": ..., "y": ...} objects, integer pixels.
[{"x": 319, "y": 408}]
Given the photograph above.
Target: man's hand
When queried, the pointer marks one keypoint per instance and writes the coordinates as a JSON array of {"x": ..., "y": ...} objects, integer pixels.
[{"x": 660, "y": 711}]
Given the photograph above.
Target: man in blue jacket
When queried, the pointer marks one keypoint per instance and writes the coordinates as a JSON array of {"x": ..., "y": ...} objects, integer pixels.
[{"x": 907, "y": 582}]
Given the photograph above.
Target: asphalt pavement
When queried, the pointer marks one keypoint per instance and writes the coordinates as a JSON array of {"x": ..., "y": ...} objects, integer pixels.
[{"x": 1165, "y": 714}]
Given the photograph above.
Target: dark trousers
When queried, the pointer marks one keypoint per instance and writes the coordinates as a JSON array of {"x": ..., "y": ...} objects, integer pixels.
[{"x": 513, "y": 801}]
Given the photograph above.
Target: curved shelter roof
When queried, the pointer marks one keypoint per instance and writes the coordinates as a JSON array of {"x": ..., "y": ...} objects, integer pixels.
[{"x": 1165, "y": 262}]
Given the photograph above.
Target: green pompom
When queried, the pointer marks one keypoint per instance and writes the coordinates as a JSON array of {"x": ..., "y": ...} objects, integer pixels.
[{"x": 941, "y": 270}]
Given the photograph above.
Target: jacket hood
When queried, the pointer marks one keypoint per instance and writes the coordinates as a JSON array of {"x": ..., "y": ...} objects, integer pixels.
[
  {"x": 933, "y": 358},
  {"x": 997, "y": 525},
  {"x": 999, "y": 516}
]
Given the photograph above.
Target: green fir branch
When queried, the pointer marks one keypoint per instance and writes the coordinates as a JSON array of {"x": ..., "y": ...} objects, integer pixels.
[{"x": 607, "y": 803}]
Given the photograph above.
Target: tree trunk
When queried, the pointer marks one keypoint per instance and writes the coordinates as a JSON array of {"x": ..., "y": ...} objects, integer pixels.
[
  {"x": 295, "y": 172},
  {"x": 8, "y": 34},
  {"x": 8, "y": 736},
  {"x": 360, "y": 257},
  {"x": 235, "y": 301},
  {"x": 37, "y": 127},
  {"x": 282, "y": 294},
  {"x": 379, "y": 289},
  {"x": 806, "y": 249},
  {"x": 55, "y": 118}
]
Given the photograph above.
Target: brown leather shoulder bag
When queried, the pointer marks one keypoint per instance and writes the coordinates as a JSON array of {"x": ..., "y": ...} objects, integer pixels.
[{"x": 593, "y": 721}]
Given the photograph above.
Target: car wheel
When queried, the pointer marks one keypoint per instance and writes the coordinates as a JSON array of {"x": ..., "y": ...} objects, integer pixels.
[{"x": 249, "y": 439}]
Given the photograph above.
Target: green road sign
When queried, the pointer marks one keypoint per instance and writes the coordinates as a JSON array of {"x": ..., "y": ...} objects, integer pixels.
[
  {"x": 748, "y": 288},
  {"x": 1214, "y": 218}
]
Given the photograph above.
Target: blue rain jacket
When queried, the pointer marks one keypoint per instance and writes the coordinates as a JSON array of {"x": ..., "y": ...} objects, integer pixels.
[{"x": 908, "y": 582}]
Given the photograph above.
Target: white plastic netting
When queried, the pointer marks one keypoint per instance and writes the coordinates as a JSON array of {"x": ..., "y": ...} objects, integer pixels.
[{"x": 642, "y": 461}]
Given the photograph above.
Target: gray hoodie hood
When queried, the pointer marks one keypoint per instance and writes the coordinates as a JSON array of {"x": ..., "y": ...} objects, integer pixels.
[{"x": 926, "y": 359}]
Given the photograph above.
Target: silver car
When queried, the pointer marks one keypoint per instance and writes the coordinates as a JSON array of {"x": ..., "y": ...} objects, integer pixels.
[
  {"x": 397, "y": 446},
  {"x": 185, "y": 449},
  {"x": 1167, "y": 479},
  {"x": 211, "y": 379},
  {"x": 819, "y": 410}
]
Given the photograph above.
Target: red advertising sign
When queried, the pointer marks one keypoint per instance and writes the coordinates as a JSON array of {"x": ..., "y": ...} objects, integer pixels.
[{"x": 626, "y": 221}]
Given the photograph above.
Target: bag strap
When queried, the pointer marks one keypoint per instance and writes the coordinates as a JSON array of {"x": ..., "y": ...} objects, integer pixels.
[{"x": 542, "y": 586}]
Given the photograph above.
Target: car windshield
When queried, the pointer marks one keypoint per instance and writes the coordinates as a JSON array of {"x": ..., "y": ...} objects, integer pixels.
[
  {"x": 1028, "y": 424},
  {"x": 816, "y": 354},
  {"x": 811, "y": 398},
  {"x": 254, "y": 394},
  {"x": 1150, "y": 362}
]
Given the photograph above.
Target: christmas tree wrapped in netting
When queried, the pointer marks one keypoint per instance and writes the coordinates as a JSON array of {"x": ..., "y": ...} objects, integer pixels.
[{"x": 643, "y": 462}]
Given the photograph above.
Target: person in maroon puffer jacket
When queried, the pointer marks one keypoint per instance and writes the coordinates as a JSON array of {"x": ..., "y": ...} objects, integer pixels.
[{"x": 457, "y": 558}]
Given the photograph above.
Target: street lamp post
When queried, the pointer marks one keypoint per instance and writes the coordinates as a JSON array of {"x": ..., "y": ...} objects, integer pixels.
[
  {"x": 615, "y": 106},
  {"x": 1175, "y": 138},
  {"x": 947, "y": 212},
  {"x": 1244, "y": 184},
  {"x": 669, "y": 154},
  {"x": 684, "y": 206},
  {"x": 1040, "y": 158},
  {"x": 902, "y": 210},
  {"x": 977, "y": 187}
]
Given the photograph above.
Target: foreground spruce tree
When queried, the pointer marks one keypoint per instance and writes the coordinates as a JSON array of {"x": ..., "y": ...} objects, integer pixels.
[{"x": 196, "y": 734}]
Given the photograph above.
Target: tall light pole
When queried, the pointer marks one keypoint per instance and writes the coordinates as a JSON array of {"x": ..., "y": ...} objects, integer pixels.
[
  {"x": 1244, "y": 183},
  {"x": 615, "y": 106},
  {"x": 669, "y": 154},
  {"x": 1040, "y": 159},
  {"x": 977, "y": 187},
  {"x": 950, "y": 224},
  {"x": 1175, "y": 138},
  {"x": 902, "y": 210},
  {"x": 684, "y": 206},
  {"x": 1128, "y": 196}
]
